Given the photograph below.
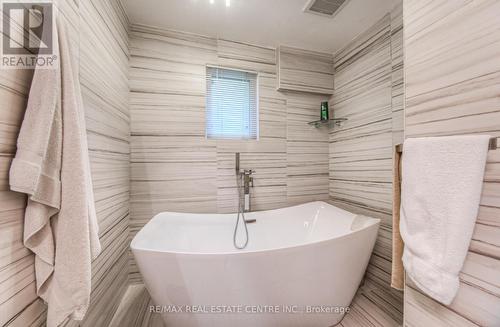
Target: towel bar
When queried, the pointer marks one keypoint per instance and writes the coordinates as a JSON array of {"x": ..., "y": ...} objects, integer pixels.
[{"x": 493, "y": 145}]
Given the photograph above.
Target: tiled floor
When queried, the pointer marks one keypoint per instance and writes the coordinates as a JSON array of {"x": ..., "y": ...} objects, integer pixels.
[
  {"x": 372, "y": 307},
  {"x": 133, "y": 310}
]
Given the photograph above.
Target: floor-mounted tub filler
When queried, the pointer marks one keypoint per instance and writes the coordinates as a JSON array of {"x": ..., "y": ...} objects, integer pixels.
[{"x": 302, "y": 266}]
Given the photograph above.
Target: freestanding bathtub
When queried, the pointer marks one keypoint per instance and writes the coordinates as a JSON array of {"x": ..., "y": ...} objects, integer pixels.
[{"x": 302, "y": 266}]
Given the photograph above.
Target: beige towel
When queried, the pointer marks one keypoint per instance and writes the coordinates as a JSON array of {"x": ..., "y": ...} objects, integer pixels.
[
  {"x": 397, "y": 275},
  {"x": 52, "y": 167}
]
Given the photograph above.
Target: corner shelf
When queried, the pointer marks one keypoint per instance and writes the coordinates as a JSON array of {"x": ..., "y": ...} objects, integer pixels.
[{"x": 335, "y": 122}]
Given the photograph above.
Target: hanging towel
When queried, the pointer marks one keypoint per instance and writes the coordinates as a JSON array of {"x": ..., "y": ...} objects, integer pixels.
[
  {"x": 397, "y": 274},
  {"x": 441, "y": 186},
  {"x": 52, "y": 167}
]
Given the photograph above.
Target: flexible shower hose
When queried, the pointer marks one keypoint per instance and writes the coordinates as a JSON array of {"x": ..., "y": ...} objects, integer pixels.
[{"x": 241, "y": 211}]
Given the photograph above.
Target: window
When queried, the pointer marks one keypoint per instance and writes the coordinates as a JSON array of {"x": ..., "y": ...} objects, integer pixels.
[{"x": 231, "y": 104}]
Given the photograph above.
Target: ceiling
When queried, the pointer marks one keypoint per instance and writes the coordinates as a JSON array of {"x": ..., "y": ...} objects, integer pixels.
[{"x": 261, "y": 22}]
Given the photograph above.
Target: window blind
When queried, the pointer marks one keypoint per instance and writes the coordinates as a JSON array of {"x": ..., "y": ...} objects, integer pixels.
[{"x": 231, "y": 104}]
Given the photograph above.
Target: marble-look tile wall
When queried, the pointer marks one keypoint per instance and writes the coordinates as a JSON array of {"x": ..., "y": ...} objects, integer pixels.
[
  {"x": 452, "y": 75},
  {"x": 98, "y": 32},
  {"x": 307, "y": 150},
  {"x": 174, "y": 168},
  {"x": 397, "y": 75},
  {"x": 368, "y": 92},
  {"x": 303, "y": 70}
]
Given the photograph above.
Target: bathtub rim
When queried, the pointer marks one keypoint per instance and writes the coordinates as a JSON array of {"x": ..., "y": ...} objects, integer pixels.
[{"x": 373, "y": 223}]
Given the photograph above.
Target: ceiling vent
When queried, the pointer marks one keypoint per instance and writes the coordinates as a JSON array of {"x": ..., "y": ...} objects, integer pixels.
[{"x": 326, "y": 8}]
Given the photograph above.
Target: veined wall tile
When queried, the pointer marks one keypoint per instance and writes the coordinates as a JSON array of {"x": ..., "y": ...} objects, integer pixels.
[
  {"x": 307, "y": 150},
  {"x": 245, "y": 52},
  {"x": 304, "y": 70},
  {"x": 452, "y": 78},
  {"x": 246, "y": 56},
  {"x": 99, "y": 44},
  {"x": 185, "y": 115},
  {"x": 368, "y": 92}
]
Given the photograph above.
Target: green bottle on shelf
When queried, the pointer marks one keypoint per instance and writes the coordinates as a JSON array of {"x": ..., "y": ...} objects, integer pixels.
[{"x": 324, "y": 110}]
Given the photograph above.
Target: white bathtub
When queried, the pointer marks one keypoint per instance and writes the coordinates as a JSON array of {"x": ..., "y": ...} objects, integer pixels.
[{"x": 299, "y": 261}]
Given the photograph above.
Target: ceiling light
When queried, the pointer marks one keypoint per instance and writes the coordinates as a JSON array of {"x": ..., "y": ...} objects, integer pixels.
[
  {"x": 228, "y": 3},
  {"x": 212, "y": 2}
]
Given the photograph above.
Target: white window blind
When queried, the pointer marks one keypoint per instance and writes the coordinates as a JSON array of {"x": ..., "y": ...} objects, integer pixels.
[{"x": 231, "y": 104}]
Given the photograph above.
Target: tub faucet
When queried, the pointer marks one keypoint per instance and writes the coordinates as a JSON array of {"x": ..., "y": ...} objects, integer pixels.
[
  {"x": 246, "y": 176},
  {"x": 247, "y": 183},
  {"x": 243, "y": 199}
]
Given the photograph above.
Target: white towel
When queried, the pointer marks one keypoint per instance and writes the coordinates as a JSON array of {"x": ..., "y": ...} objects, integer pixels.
[
  {"x": 440, "y": 194},
  {"x": 52, "y": 166}
]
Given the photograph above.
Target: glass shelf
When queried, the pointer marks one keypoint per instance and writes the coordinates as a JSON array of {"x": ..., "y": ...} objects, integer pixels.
[{"x": 335, "y": 122}]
